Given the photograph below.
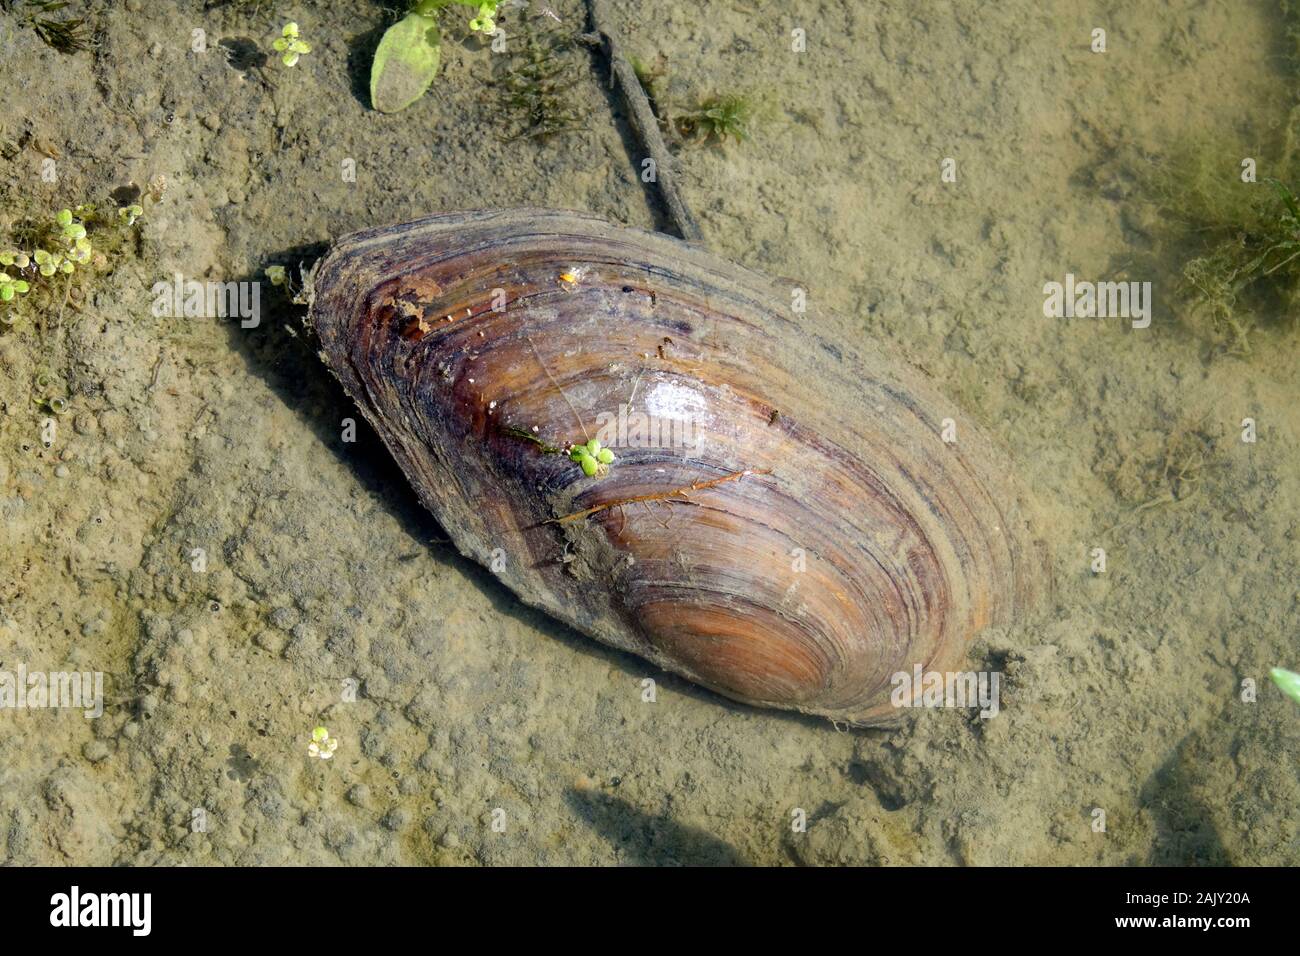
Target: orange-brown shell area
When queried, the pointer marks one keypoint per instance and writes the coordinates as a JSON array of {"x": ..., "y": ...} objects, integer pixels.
[{"x": 804, "y": 535}]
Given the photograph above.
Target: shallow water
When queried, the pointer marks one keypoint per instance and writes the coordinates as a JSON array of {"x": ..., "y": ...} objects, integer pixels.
[{"x": 1128, "y": 696}]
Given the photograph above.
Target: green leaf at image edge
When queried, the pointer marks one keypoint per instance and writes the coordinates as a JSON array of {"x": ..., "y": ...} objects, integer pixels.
[
  {"x": 405, "y": 63},
  {"x": 1289, "y": 681}
]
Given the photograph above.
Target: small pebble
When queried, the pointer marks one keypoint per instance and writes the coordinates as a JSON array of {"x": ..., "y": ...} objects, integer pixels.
[
  {"x": 95, "y": 751},
  {"x": 271, "y": 641},
  {"x": 62, "y": 471}
]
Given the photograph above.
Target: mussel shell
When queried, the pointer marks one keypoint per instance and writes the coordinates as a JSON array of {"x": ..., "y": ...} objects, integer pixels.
[{"x": 822, "y": 536}]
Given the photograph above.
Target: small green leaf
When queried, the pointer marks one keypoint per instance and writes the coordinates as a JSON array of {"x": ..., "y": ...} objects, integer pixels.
[
  {"x": 405, "y": 63},
  {"x": 588, "y": 465},
  {"x": 1289, "y": 681},
  {"x": 605, "y": 456}
]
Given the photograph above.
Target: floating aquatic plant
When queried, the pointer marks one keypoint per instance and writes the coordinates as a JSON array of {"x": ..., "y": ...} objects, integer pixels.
[
  {"x": 11, "y": 286},
  {"x": 289, "y": 45},
  {"x": 591, "y": 456},
  {"x": 39, "y": 252},
  {"x": 409, "y": 54},
  {"x": 322, "y": 744},
  {"x": 594, "y": 459}
]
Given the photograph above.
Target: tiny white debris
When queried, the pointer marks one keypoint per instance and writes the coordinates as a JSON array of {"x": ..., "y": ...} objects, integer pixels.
[{"x": 674, "y": 401}]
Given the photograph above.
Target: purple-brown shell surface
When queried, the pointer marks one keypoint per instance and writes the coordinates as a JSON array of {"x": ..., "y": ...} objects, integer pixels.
[{"x": 783, "y": 521}]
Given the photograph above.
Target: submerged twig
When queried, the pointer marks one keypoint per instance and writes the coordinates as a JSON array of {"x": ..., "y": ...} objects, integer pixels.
[
  {"x": 546, "y": 447},
  {"x": 644, "y": 123}
]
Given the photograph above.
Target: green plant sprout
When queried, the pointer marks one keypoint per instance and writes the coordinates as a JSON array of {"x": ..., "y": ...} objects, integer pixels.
[
  {"x": 485, "y": 22},
  {"x": 1289, "y": 681},
  {"x": 322, "y": 744},
  {"x": 589, "y": 455},
  {"x": 9, "y": 286},
  {"x": 48, "y": 249},
  {"x": 594, "y": 459},
  {"x": 717, "y": 119},
  {"x": 409, "y": 54},
  {"x": 66, "y": 36},
  {"x": 289, "y": 45}
]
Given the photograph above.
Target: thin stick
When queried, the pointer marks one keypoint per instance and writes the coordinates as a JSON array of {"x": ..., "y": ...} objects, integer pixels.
[
  {"x": 67, "y": 290},
  {"x": 676, "y": 494},
  {"x": 644, "y": 124}
]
